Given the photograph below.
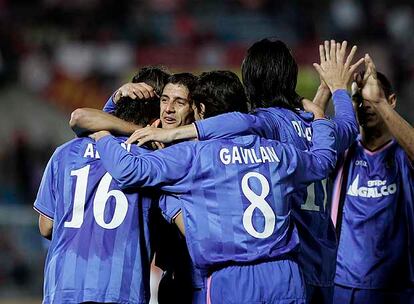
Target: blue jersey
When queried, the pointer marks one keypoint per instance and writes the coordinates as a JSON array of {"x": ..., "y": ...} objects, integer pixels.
[
  {"x": 110, "y": 105},
  {"x": 376, "y": 233},
  {"x": 311, "y": 211},
  {"x": 100, "y": 248},
  {"x": 236, "y": 194}
]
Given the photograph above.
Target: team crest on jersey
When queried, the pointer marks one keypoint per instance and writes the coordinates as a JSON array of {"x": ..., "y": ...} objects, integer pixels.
[{"x": 374, "y": 188}]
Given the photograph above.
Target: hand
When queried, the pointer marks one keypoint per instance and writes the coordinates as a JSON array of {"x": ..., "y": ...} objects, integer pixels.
[
  {"x": 135, "y": 90},
  {"x": 98, "y": 135},
  {"x": 150, "y": 133},
  {"x": 371, "y": 89},
  {"x": 309, "y": 106},
  {"x": 333, "y": 70}
]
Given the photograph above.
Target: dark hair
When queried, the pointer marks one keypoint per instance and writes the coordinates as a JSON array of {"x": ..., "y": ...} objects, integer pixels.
[
  {"x": 187, "y": 80},
  {"x": 141, "y": 112},
  {"x": 220, "y": 92},
  {"x": 269, "y": 74},
  {"x": 155, "y": 76}
]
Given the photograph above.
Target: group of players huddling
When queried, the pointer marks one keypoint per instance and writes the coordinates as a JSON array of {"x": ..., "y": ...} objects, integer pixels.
[{"x": 273, "y": 201}]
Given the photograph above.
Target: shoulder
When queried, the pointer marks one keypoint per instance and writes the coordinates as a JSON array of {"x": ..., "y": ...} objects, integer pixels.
[
  {"x": 67, "y": 147},
  {"x": 401, "y": 155}
]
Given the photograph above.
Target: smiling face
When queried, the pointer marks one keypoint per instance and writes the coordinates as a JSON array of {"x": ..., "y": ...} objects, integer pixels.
[{"x": 176, "y": 109}]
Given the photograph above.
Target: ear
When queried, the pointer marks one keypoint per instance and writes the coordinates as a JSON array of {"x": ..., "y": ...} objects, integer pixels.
[
  {"x": 202, "y": 110},
  {"x": 392, "y": 100}
]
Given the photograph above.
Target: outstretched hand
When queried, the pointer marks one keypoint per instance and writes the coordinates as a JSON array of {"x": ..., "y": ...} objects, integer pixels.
[
  {"x": 370, "y": 86},
  {"x": 334, "y": 69}
]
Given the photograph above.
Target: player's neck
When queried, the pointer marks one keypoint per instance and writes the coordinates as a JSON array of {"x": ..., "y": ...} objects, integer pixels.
[{"x": 374, "y": 138}]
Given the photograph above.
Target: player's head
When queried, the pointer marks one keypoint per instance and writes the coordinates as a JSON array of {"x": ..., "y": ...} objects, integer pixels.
[
  {"x": 367, "y": 117},
  {"x": 140, "y": 113},
  {"x": 144, "y": 111},
  {"x": 154, "y": 76},
  {"x": 269, "y": 74},
  {"x": 218, "y": 92},
  {"x": 176, "y": 107}
]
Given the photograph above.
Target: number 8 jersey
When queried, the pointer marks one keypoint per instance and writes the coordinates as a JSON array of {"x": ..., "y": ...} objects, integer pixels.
[
  {"x": 235, "y": 193},
  {"x": 100, "y": 248}
]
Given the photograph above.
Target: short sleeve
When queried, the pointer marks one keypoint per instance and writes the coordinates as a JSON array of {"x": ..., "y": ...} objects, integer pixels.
[
  {"x": 170, "y": 205},
  {"x": 45, "y": 202}
]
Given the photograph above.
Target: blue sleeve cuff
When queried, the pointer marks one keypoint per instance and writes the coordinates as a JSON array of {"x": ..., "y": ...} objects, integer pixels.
[
  {"x": 200, "y": 130},
  {"x": 323, "y": 121},
  {"x": 341, "y": 93},
  {"x": 110, "y": 105},
  {"x": 43, "y": 210}
]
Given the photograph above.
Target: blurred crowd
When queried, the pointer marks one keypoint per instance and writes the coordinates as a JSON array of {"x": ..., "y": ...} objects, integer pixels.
[
  {"x": 75, "y": 53},
  {"x": 91, "y": 43}
]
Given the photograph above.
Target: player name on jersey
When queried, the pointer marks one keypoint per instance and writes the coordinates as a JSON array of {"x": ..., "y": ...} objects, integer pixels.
[
  {"x": 91, "y": 152},
  {"x": 239, "y": 155}
]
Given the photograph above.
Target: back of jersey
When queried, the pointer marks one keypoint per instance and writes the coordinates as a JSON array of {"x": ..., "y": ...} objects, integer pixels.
[
  {"x": 100, "y": 248},
  {"x": 316, "y": 232},
  {"x": 245, "y": 186}
]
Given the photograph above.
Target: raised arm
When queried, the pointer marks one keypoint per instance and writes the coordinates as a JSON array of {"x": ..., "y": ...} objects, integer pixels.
[
  {"x": 87, "y": 120},
  {"x": 139, "y": 90},
  {"x": 399, "y": 128},
  {"x": 319, "y": 161},
  {"x": 336, "y": 72}
]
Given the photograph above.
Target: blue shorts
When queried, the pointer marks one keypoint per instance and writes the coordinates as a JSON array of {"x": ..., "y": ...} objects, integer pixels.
[
  {"x": 319, "y": 295},
  {"x": 273, "y": 282},
  {"x": 344, "y": 295}
]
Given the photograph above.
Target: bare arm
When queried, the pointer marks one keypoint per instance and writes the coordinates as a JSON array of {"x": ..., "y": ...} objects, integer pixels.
[
  {"x": 322, "y": 96},
  {"x": 179, "y": 221},
  {"x": 147, "y": 134},
  {"x": 399, "y": 128},
  {"x": 45, "y": 227},
  {"x": 87, "y": 120}
]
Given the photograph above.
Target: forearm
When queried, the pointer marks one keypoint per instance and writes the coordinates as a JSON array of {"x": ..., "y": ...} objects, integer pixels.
[
  {"x": 322, "y": 96},
  {"x": 187, "y": 132},
  {"x": 123, "y": 166},
  {"x": 86, "y": 120},
  {"x": 161, "y": 168},
  {"x": 400, "y": 129},
  {"x": 324, "y": 140},
  {"x": 345, "y": 119},
  {"x": 320, "y": 160}
]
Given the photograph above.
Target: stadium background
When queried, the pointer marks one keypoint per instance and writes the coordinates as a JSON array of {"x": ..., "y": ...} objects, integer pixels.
[{"x": 57, "y": 55}]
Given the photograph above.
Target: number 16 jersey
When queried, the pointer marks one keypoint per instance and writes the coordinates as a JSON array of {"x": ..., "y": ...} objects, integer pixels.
[{"x": 100, "y": 248}]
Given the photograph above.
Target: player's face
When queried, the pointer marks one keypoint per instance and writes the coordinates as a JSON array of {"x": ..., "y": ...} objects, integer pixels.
[{"x": 175, "y": 107}]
